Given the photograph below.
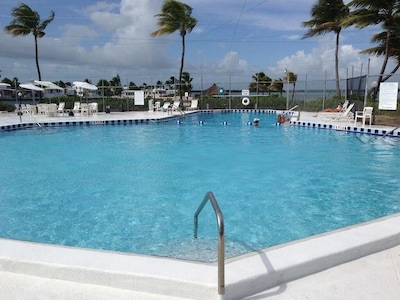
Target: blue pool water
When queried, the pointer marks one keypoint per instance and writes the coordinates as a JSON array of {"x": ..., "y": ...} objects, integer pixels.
[{"x": 135, "y": 188}]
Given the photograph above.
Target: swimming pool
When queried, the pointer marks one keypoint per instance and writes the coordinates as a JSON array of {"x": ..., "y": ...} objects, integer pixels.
[{"x": 135, "y": 188}]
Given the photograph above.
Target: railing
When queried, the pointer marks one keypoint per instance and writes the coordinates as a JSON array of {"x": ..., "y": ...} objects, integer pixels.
[
  {"x": 221, "y": 238},
  {"x": 177, "y": 108}
]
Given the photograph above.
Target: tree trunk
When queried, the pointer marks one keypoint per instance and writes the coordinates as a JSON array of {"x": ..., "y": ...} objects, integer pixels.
[
  {"x": 338, "y": 93},
  {"x": 37, "y": 59},
  {"x": 181, "y": 69},
  {"x": 391, "y": 73},
  {"x": 385, "y": 61},
  {"x": 294, "y": 88}
]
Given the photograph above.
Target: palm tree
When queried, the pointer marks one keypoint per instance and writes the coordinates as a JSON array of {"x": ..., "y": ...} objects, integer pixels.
[
  {"x": 171, "y": 82},
  {"x": 380, "y": 49},
  {"x": 28, "y": 21},
  {"x": 176, "y": 16},
  {"x": 159, "y": 84},
  {"x": 291, "y": 78},
  {"x": 260, "y": 82},
  {"x": 277, "y": 85},
  {"x": 186, "y": 82},
  {"x": 372, "y": 12},
  {"x": 116, "y": 84},
  {"x": 327, "y": 17}
]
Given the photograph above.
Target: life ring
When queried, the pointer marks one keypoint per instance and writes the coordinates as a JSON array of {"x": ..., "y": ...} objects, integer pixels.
[{"x": 245, "y": 101}]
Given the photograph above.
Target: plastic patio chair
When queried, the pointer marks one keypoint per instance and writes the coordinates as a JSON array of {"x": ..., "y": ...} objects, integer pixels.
[{"x": 365, "y": 114}]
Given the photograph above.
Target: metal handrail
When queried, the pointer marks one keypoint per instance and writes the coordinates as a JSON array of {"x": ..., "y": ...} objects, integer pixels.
[{"x": 221, "y": 238}]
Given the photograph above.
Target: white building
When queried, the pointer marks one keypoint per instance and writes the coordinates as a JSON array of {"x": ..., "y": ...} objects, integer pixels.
[{"x": 51, "y": 90}]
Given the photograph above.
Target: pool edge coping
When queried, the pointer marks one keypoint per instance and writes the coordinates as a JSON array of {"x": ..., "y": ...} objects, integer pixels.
[{"x": 244, "y": 276}]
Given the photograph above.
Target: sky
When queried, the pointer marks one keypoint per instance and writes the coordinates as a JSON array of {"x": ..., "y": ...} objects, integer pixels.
[{"x": 232, "y": 41}]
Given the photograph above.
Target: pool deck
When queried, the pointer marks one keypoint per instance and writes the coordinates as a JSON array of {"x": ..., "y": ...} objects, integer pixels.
[
  {"x": 10, "y": 121},
  {"x": 359, "y": 262}
]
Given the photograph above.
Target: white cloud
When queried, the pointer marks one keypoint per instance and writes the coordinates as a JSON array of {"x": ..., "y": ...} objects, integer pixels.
[
  {"x": 231, "y": 63},
  {"x": 109, "y": 21},
  {"x": 319, "y": 60},
  {"x": 238, "y": 38},
  {"x": 102, "y": 6}
]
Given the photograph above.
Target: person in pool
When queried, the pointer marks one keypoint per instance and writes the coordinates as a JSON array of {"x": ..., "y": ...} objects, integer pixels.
[
  {"x": 256, "y": 121},
  {"x": 281, "y": 119}
]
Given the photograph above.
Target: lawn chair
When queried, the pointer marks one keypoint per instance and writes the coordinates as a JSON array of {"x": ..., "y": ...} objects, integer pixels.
[
  {"x": 61, "y": 108},
  {"x": 346, "y": 115},
  {"x": 193, "y": 105},
  {"x": 77, "y": 107}
]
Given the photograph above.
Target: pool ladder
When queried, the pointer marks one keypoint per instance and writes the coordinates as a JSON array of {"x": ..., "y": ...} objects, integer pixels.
[{"x": 221, "y": 238}]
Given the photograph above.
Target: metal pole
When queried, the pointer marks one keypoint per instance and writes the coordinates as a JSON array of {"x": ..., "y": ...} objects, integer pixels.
[
  {"x": 230, "y": 89},
  {"x": 324, "y": 97},
  {"x": 345, "y": 86},
  {"x": 373, "y": 111},
  {"x": 287, "y": 89},
  {"x": 102, "y": 92},
  {"x": 258, "y": 78},
  {"x": 201, "y": 93},
  {"x": 374, "y": 85},
  {"x": 366, "y": 84},
  {"x": 305, "y": 93}
]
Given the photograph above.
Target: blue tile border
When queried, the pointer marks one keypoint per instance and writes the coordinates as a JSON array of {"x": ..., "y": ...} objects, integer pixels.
[
  {"x": 257, "y": 111},
  {"x": 86, "y": 123},
  {"x": 351, "y": 129}
]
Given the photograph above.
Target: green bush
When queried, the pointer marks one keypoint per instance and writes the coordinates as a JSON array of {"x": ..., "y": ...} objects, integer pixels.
[{"x": 6, "y": 107}]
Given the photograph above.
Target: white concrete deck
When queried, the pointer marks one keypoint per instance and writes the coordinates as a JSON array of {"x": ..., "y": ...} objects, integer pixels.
[
  {"x": 14, "y": 119},
  {"x": 361, "y": 262}
]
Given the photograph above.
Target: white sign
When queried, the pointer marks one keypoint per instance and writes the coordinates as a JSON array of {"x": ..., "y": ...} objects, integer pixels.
[
  {"x": 388, "y": 95},
  {"x": 245, "y": 92},
  {"x": 139, "y": 97}
]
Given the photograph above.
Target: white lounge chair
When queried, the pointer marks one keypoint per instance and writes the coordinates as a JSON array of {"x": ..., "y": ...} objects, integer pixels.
[
  {"x": 157, "y": 105},
  {"x": 334, "y": 113},
  {"x": 61, "y": 108},
  {"x": 52, "y": 110},
  {"x": 20, "y": 108},
  {"x": 31, "y": 109},
  {"x": 346, "y": 115},
  {"x": 77, "y": 107},
  {"x": 84, "y": 109},
  {"x": 43, "y": 109},
  {"x": 176, "y": 104},
  {"x": 345, "y": 105},
  {"x": 166, "y": 106},
  {"x": 24, "y": 109},
  {"x": 363, "y": 115},
  {"x": 193, "y": 105},
  {"x": 93, "y": 108}
]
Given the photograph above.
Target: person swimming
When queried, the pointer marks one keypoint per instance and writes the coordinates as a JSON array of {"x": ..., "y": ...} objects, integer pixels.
[{"x": 281, "y": 119}]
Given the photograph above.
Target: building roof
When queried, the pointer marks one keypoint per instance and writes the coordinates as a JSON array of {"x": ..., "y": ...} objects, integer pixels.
[{"x": 47, "y": 85}]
